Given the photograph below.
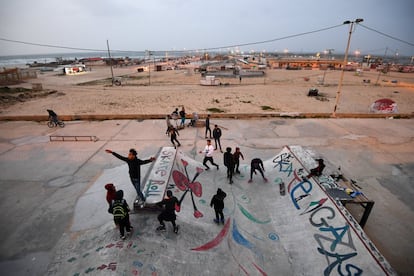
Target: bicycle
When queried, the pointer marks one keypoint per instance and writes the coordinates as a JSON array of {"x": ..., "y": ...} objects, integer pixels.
[
  {"x": 54, "y": 123},
  {"x": 54, "y": 120}
]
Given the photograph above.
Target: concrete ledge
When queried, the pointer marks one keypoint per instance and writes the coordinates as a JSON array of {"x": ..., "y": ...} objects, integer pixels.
[{"x": 244, "y": 116}]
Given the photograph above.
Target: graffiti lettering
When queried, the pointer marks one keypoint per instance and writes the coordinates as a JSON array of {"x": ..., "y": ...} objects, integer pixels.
[
  {"x": 283, "y": 162},
  {"x": 303, "y": 186},
  {"x": 294, "y": 179},
  {"x": 323, "y": 222},
  {"x": 340, "y": 258}
]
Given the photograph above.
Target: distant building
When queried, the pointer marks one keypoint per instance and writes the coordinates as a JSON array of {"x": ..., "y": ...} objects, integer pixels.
[{"x": 16, "y": 75}]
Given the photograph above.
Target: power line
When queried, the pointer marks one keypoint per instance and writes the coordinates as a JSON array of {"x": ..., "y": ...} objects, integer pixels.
[
  {"x": 274, "y": 39},
  {"x": 207, "y": 49},
  {"x": 386, "y": 35},
  {"x": 174, "y": 51},
  {"x": 50, "y": 46}
]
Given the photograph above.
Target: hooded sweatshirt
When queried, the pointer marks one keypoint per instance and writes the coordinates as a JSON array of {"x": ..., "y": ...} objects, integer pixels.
[
  {"x": 111, "y": 191},
  {"x": 218, "y": 200}
]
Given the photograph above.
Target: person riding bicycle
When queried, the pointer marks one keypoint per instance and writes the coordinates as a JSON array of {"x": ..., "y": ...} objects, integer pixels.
[{"x": 53, "y": 116}]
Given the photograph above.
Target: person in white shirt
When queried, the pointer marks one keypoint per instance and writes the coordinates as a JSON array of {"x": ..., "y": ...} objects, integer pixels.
[{"x": 208, "y": 155}]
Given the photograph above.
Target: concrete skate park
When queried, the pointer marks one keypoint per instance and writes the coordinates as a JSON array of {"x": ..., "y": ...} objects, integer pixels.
[{"x": 55, "y": 219}]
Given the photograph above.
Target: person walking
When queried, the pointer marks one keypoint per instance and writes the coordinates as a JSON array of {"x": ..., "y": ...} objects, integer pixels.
[
  {"x": 134, "y": 165},
  {"x": 256, "y": 164},
  {"x": 173, "y": 132},
  {"x": 174, "y": 116},
  {"x": 237, "y": 154},
  {"x": 217, "y": 135},
  {"x": 217, "y": 201},
  {"x": 228, "y": 160},
  {"x": 208, "y": 155},
  {"x": 168, "y": 214},
  {"x": 208, "y": 129},
  {"x": 167, "y": 119},
  {"x": 120, "y": 210},
  {"x": 182, "y": 116}
]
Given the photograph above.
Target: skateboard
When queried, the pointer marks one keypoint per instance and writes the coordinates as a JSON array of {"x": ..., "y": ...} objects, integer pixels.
[{"x": 282, "y": 188}]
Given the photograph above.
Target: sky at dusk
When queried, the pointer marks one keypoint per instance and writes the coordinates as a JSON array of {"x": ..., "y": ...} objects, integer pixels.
[{"x": 168, "y": 25}]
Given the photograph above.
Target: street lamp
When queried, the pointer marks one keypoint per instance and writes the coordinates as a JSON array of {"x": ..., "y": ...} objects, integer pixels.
[
  {"x": 149, "y": 66},
  {"x": 338, "y": 94}
]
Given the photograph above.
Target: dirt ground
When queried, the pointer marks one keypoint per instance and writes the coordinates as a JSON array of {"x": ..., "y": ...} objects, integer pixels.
[{"x": 160, "y": 92}]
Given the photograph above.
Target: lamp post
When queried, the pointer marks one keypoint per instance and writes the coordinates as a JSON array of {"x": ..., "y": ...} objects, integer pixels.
[
  {"x": 338, "y": 93},
  {"x": 149, "y": 66}
]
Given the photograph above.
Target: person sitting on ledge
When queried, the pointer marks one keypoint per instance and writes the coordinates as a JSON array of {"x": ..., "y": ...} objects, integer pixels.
[{"x": 318, "y": 170}]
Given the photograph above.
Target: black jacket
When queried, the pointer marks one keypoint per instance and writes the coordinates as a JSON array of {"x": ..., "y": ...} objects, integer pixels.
[
  {"x": 218, "y": 200},
  {"x": 228, "y": 159},
  {"x": 217, "y": 133},
  {"x": 134, "y": 165}
]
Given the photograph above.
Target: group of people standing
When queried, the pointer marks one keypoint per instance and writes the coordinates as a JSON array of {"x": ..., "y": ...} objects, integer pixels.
[
  {"x": 231, "y": 160},
  {"x": 119, "y": 207}
]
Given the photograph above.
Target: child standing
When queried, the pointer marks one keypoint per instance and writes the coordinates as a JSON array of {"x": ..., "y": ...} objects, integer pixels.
[
  {"x": 218, "y": 203},
  {"x": 110, "y": 196},
  {"x": 110, "y": 193},
  {"x": 228, "y": 161},
  {"x": 237, "y": 154},
  {"x": 120, "y": 210}
]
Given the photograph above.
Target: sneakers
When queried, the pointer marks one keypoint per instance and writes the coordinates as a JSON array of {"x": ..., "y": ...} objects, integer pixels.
[
  {"x": 265, "y": 179},
  {"x": 250, "y": 181},
  {"x": 161, "y": 228},
  {"x": 222, "y": 221},
  {"x": 217, "y": 167},
  {"x": 176, "y": 229},
  {"x": 216, "y": 221},
  {"x": 122, "y": 237}
]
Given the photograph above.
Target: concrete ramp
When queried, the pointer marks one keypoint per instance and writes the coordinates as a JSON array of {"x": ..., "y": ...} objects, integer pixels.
[{"x": 304, "y": 232}]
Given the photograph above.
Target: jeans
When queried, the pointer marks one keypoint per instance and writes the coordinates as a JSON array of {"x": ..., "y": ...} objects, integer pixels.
[{"x": 137, "y": 186}]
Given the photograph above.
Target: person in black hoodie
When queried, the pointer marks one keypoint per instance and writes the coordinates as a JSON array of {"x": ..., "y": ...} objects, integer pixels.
[
  {"x": 228, "y": 160},
  {"x": 134, "y": 165},
  {"x": 120, "y": 210},
  {"x": 218, "y": 203},
  {"x": 217, "y": 135},
  {"x": 168, "y": 214}
]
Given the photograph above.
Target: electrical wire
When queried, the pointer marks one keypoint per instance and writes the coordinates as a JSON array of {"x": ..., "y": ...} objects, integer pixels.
[
  {"x": 175, "y": 51},
  {"x": 51, "y": 46},
  {"x": 212, "y": 48},
  {"x": 386, "y": 35}
]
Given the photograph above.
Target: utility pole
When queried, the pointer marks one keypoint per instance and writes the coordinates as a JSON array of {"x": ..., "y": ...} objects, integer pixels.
[
  {"x": 110, "y": 60},
  {"x": 149, "y": 66},
  {"x": 338, "y": 94},
  {"x": 380, "y": 71}
]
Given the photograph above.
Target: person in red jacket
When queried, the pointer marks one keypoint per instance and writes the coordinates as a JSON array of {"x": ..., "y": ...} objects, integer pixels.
[{"x": 110, "y": 193}]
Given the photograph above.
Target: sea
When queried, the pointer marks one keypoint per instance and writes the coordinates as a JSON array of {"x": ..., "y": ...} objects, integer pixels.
[{"x": 22, "y": 61}]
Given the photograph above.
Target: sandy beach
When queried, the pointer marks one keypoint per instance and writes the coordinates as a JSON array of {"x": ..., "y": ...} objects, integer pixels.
[{"x": 278, "y": 91}]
